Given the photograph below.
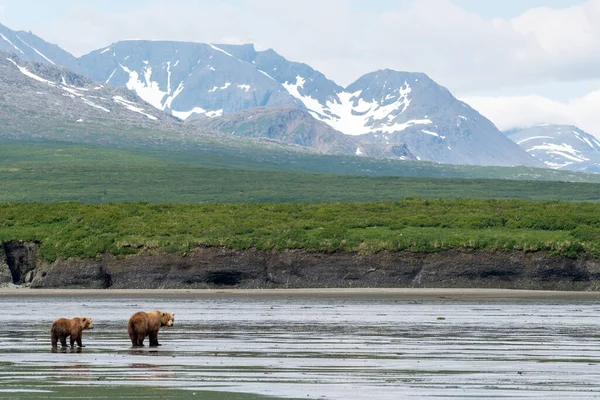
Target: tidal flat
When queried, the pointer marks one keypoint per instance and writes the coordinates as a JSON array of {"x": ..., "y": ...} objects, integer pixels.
[{"x": 305, "y": 344}]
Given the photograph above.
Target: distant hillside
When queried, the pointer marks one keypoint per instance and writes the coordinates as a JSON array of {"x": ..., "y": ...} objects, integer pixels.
[{"x": 50, "y": 172}]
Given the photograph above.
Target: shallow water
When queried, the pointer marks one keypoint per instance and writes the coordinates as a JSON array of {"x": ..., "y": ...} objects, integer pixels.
[{"x": 303, "y": 347}]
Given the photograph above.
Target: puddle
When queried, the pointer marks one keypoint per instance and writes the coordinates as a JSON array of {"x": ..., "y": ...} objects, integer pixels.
[{"x": 233, "y": 347}]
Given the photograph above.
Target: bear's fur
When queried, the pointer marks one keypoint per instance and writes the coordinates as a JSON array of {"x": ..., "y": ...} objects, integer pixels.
[
  {"x": 63, "y": 327},
  {"x": 142, "y": 324}
]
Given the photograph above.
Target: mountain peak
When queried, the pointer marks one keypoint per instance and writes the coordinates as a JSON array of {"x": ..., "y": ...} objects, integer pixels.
[
  {"x": 560, "y": 146},
  {"x": 388, "y": 73},
  {"x": 29, "y": 47}
]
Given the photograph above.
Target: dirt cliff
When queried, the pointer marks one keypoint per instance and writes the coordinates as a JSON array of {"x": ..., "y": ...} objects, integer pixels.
[{"x": 250, "y": 269}]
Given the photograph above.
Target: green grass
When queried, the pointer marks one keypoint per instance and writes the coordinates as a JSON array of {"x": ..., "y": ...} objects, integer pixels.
[
  {"x": 83, "y": 230},
  {"x": 56, "y": 172}
]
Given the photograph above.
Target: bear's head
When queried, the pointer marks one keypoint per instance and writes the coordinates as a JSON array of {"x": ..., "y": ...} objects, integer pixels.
[
  {"x": 167, "y": 319},
  {"x": 86, "y": 323}
]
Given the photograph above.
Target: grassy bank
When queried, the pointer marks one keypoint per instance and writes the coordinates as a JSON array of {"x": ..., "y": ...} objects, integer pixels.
[{"x": 83, "y": 230}]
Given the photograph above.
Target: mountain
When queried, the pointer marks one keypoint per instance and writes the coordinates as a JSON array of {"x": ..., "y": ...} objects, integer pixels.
[
  {"x": 185, "y": 79},
  {"x": 560, "y": 146},
  {"x": 40, "y": 101},
  {"x": 29, "y": 47},
  {"x": 384, "y": 110},
  {"x": 390, "y": 107},
  {"x": 386, "y": 113},
  {"x": 53, "y": 106}
]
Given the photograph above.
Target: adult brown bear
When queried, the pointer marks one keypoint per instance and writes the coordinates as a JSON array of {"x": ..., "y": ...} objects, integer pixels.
[
  {"x": 142, "y": 324},
  {"x": 63, "y": 327}
]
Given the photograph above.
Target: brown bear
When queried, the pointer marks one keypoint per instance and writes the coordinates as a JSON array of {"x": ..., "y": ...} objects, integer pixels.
[
  {"x": 142, "y": 324},
  {"x": 63, "y": 327}
]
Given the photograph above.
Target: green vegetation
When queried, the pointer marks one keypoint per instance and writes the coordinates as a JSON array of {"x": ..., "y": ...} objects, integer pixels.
[
  {"x": 55, "y": 172},
  {"x": 82, "y": 230}
]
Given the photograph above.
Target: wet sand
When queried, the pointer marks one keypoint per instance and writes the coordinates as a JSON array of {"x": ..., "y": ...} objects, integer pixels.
[{"x": 397, "y": 294}]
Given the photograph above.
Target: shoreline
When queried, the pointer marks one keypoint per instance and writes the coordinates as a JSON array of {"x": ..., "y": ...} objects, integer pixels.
[{"x": 434, "y": 294}]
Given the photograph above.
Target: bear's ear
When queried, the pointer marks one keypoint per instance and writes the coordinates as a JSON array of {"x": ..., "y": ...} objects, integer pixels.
[{"x": 163, "y": 314}]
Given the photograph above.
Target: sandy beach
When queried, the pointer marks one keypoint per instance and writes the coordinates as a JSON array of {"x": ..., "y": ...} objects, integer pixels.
[{"x": 395, "y": 293}]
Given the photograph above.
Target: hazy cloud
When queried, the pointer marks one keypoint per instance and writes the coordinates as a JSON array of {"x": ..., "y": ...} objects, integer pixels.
[{"x": 526, "y": 111}]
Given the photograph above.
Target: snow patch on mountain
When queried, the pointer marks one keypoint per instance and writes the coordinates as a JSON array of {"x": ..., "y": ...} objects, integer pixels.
[
  {"x": 36, "y": 50},
  {"x": 225, "y": 86},
  {"x": 31, "y": 75},
  {"x": 183, "y": 115},
  {"x": 11, "y": 43},
  {"x": 221, "y": 50},
  {"x": 146, "y": 89},
  {"x": 352, "y": 115},
  {"x": 133, "y": 107},
  {"x": 111, "y": 75},
  {"x": 92, "y": 104},
  {"x": 431, "y": 133}
]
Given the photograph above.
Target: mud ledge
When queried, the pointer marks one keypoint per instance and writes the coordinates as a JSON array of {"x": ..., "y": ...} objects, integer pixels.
[{"x": 217, "y": 268}]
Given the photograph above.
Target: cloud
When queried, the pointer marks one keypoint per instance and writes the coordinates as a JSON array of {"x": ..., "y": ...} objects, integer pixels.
[
  {"x": 527, "y": 111},
  {"x": 461, "y": 50}
]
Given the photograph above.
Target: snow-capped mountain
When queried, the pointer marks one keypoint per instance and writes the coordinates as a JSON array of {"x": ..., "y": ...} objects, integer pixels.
[
  {"x": 383, "y": 114},
  {"x": 560, "y": 146},
  {"x": 390, "y": 107},
  {"x": 384, "y": 108},
  {"x": 185, "y": 79},
  {"x": 29, "y": 47}
]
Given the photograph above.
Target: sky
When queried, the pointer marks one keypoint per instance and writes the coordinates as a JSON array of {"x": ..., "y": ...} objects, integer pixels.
[{"x": 518, "y": 62}]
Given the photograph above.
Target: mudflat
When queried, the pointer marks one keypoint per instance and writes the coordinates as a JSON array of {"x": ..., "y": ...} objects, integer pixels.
[
  {"x": 310, "y": 344},
  {"x": 434, "y": 294}
]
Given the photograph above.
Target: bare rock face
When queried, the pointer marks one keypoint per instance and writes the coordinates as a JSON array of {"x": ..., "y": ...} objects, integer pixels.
[
  {"x": 21, "y": 258},
  {"x": 206, "y": 268},
  {"x": 73, "y": 274},
  {"x": 5, "y": 275}
]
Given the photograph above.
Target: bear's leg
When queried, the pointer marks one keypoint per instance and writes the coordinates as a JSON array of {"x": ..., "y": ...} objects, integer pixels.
[
  {"x": 154, "y": 339},
  {"x": 79, "y": 341},
  {"x": 73, "y": 338},
  {"x": 140, "y": 339},
  {"x": 54, "y": 339},
  {"x": 63, "y": 340},
  {"x": 132, "y": 336}
]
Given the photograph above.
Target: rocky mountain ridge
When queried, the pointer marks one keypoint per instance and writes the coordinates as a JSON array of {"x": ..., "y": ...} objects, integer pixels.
[{"x": 560, "y": 146}]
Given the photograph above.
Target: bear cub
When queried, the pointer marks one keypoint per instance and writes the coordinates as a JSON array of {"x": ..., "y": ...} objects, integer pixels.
[
  {"x": 63, "y": 327},
  {"x": 142, "y": 324}
]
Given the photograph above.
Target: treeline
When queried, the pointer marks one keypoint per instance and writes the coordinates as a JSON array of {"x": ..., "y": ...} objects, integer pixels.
[{"x": 82, "y": 230}]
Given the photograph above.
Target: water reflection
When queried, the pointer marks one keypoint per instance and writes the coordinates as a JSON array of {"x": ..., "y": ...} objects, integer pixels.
[{"x": 67, "y": 349}]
